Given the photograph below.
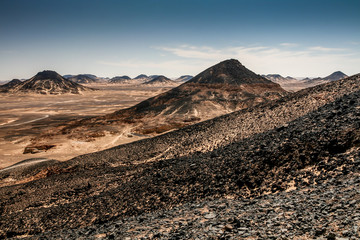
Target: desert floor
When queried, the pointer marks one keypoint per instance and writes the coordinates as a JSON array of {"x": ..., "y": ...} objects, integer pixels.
[{"x": 23, "y": 116}]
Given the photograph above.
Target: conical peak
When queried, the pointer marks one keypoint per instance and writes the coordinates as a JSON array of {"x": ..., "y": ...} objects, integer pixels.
[
  {"x": 47, "y": 74},
  {"x": 161, "y": 77},
  {"x": 230, "y": 72},
  {"x": 230, "y": 62}
]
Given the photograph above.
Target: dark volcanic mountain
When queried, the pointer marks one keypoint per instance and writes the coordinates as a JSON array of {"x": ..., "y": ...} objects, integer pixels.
[
  {"x": 223, "y": 88},
  {"x": 332, "y": 77},
  {"x": 7, "y": 86},
  {"x": 48, "y": 82},
  {"x": 335, "y": 76},
  {"x": 161, "y": 81},
  {"x": 142, "y": 76},
  {"x": 229, "y": 72},
  {"x": 220, "y": 89},
  {"x": 84, "y": 78},
  {"x": 282, "y": 169},
  {"x": 121, "y": 79}
]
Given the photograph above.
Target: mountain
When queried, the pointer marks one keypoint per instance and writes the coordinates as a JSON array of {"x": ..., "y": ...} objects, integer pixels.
[
  {"x": 48, "y": 82},
  {"x": 335, "y": 76},
  {"x": 220, "y": 89},
  {"x": 184, "y": 78},
  {"x": 223, "y": 88},
  {"x": 7, "y": 86},
  {"x": 277, "y": 78},
  {"x": 292, "y": 84},
  {"x": 121, "y": 79},
  {"x": 161, "y": 81},
  {"x": 141, "y": 76},
  {"x": 288, "y": 83},
  {"x": 281, "y": 169},
  {"x": 84, "y": 78},
  {"x": 332, "y": 77},
  {"x": 153, "y": 76}
]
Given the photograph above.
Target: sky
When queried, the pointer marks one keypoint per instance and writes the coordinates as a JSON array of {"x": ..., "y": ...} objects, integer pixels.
[{"x": 108, "y": 38}]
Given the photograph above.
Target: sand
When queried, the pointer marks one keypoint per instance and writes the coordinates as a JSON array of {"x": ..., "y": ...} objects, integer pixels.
[{"x": 23, "y": 116}]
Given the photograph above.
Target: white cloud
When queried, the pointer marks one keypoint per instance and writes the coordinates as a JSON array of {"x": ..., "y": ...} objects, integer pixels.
[
  {"x": 312, "y": 61},
  {"x": 190, "y": 59},
  {"x": 326, "y": 49},
  {"x": 289, "y": 44}
]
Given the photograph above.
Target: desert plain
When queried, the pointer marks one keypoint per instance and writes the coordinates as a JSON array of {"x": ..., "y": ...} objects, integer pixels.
[{"x": 24, "y": 116}]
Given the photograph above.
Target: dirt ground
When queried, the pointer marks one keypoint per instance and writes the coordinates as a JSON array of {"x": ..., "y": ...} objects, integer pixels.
[{"x": 23, "y": 116}]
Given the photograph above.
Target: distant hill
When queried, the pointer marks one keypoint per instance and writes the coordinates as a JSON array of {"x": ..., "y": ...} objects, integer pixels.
[
  {"x": 277, "y": 78},
  {"x": 84, "y": 78},
  {"x": 48, "y": 82},
  {"x": 8, "y": 86},
  {"x": 121, "y": 79},
  {"x": 336, "y": 76},
  {"x": 161, "y": 81},
  {"x": 288, "y": 83},
  {"x": 332, "y": 77},
  {"x": 292, "y": 84},
  {"x": 142, "y": 76}
]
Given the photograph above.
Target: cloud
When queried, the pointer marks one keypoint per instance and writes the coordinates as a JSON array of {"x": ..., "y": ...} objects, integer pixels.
[
  {"x": 326, "y": 49},
  {"x": 310, "y": 61},
  {"x": 354, "y": 43},
  {"x": 194, "y": 52},
  {"x": 189, "y": 59},
  {"x": 289, "y": 44}
]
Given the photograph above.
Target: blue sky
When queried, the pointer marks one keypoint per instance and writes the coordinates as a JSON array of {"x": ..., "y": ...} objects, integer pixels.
[{"x": 177, "y": 37}]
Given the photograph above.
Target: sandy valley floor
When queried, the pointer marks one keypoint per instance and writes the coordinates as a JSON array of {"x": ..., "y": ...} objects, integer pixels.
[{"x": 25, "y": 116}]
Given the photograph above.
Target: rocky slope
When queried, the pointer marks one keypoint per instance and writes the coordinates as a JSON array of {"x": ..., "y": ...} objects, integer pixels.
[
  {"x": 327, "y": 210},
  {"x": 302, "y": 140},
  {"x": 48, "y": 82}
]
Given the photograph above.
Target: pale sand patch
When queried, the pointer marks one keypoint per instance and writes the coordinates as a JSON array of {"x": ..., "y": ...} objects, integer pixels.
[{"x": 24, "y": 116}]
